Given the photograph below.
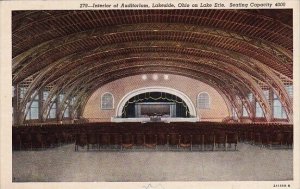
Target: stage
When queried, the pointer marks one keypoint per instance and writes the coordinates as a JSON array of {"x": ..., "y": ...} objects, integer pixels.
[{"x": 155, "y": 119}]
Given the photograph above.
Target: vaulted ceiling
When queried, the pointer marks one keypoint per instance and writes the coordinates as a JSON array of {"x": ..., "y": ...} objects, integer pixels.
[{"x": 235, "y": 51}]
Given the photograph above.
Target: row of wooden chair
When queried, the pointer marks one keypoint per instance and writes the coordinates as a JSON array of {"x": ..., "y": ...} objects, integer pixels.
[
  {"x": 131, "y": 135},
  {"x": 40, "y": 140},
  {"x": 268, "y": 139},
  {"x": 211, "y": 141}
]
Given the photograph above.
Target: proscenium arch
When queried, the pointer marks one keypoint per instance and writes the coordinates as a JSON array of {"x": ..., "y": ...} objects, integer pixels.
[{"x": 184, "y": 97}]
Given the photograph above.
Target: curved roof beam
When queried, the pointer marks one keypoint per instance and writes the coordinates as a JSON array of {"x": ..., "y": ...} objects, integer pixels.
[
  {"x": 79, "y": 83},
  {"x": 241, "y": 85},
  {"x": 171, "y": 32},
  {"x": 77, "y": 62},
  {"x": 94, "y": 67},
  {"x": 56, "y": 24},
  {"x": 80, "y": 95},
  {"x": 235, "y": 56},
  {"x": 223, "y": 91},
  {"x": 204, "y": 49},
  {"x": 238, "y": 86}
]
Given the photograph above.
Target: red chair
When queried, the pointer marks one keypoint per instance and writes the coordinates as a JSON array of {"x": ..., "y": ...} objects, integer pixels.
[
  {"x": 161, "y": 139},
  {"x": 103, "y": 140},
  {"x": 277, "y": 138},
  {"x": 26, "y": 139},
  {"x": 92, "y": 139},
  {"x": 81, "y": 140},
  {"x": 173, "y": 140},
  {"x": 150, "y": 140},
  {"x": 209, "y": 140},
  {"x": 127, "y": 140},
  {"x": 231, "y": 138},
  {"x": 38, "y": 140},
  {"x": 185, "y": 141},
  {"x": 16, "y": 141},
  {"x": 198, "y": 141},
  {"x": 220, "y": 138}
]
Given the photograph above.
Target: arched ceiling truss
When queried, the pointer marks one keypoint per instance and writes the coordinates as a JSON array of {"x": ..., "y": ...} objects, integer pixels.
[{"x": 235, "y": 51}]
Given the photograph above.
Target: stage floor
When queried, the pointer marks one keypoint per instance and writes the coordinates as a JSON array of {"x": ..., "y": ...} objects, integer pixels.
[{"x": 162, "y": 119}]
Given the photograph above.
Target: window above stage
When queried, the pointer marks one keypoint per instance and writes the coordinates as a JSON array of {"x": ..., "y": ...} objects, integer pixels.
[
  {"x": 107, "y": 101},
  {"x": 203, "y": 101}
]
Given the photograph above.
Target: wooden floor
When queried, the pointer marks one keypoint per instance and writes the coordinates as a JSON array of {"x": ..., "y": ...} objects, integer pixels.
[{"x": 249, "y": 163}]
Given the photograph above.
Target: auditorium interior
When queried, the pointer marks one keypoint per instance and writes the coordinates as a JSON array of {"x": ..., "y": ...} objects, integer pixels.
[{"x": 152, "y": 95}]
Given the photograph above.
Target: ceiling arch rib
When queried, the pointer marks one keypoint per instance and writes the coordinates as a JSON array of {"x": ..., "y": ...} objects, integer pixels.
[
  {"x": 121, "y": 32},
  {"x": 227, "y": 86},
  {"x": 237, "y": 51},
  {"x": 207, "y": 37},
  {"x": 227, "y": 53},
  {"x": 86, "y": 75},
  {"x": 90, "y": 68},
  {"x": 231, "y": 82},
  {"x": 81, "y": 104},
  {"x": 286, "y": 95},
  {"x": 223, "y": 91},
  {"x": 79, "y": 64},
  {"x": 75, "y": 57},
  {"x": 257, "y": 26},
  {"x": 76, "y": 60},
  {"x": 232, "y": 55},
  {"x": 69, "y": 92},
  {"x": 238, "y": 86},
  {"x": 107, "y": 76}
]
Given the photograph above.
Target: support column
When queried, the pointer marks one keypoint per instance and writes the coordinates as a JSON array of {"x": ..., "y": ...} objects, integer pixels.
[
  {"x": 271, "y": 101},
  {"x": 40, "y": 93},
  {"x": 15, "y": 99},
  {"x": 57, "y": 110},
  {"x": 19, "y": 117}
]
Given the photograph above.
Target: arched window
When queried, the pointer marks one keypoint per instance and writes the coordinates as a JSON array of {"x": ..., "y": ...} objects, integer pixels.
[
  {"x": 33, "y": 109},
  {"x": 107, "y": 101},
  {"x": 289, "y": 89},
  {"x": 245, "y": 112},
  {"x": 278, "y": 109},
  {"x": 203, "y": 101},
  {"x": 52, "y": 108},
  {"x": 258, "y": 110}
]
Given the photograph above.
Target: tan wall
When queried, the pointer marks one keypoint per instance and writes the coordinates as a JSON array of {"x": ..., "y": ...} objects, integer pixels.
[{"x": 218, "y": 109}]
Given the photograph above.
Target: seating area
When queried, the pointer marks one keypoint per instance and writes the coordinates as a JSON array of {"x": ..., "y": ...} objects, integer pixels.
[{"x": 179, "y": 136}]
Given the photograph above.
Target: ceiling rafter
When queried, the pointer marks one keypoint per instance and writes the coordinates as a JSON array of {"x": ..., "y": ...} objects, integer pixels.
[
  {"x": 214, "y": 51},
  {"x": 122, "y": 17},
  {"x": 90, "y": 40},
  {"x": 235, "y": 51}
]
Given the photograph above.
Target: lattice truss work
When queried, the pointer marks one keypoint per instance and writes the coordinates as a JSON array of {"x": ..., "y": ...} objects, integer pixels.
[{"x": 61, "y": 57}]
